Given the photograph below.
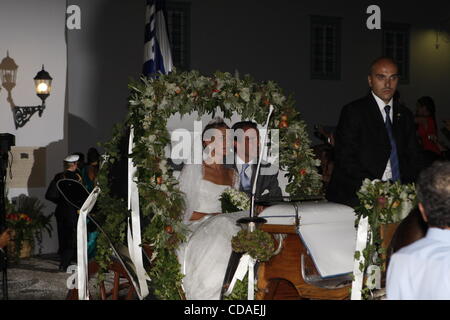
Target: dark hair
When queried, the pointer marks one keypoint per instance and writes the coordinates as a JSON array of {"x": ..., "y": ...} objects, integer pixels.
[
  {"x": 433, "y": 191},
  {"x": 81, "y": 155},
  {"x": 215, "y": 125},
  {"x": 92, "y": 155},
  {"x": 377, "y": 60},
  {"x": 428, "y": 103},
  {"x": 245, "y": 125}
]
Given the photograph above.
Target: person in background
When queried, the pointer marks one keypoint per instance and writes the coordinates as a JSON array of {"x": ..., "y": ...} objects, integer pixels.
[
  {"x": 446, "y": 132},
  {"x": 80, "y": 163},
  {"x": 425, "y": 119},
  {"x": 325, "y": 153},
  {"x": 66, "y": 214},
  {"x": 421, "y": 269},
  {"x": 5, "y": 237},
  {"x": 446, "y": 129},
  {"x": 90, "y": 172},
  {"x": 91, "y": 169}
]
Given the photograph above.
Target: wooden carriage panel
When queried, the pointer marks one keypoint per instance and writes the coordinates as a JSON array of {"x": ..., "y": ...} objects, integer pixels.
[{"x": 286, "y": 266}]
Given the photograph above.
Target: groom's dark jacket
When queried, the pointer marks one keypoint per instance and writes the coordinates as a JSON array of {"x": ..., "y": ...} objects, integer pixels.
[
  {"x": 362, "y": 148},
  {"x": 267, "y": 185}
]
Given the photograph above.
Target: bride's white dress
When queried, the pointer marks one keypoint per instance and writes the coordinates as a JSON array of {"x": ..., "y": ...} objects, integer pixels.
[{"x": 204, "y": 256}]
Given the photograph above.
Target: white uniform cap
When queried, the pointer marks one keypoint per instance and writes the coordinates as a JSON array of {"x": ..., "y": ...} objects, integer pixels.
[{"x": 72, "y": 158}]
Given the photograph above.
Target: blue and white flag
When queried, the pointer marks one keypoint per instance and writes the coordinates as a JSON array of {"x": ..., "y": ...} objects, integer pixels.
[{"x": 157, "y": 55}]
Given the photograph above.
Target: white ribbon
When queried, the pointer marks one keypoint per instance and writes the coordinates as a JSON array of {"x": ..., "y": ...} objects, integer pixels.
[
  {"x": 246, "y": 263},
  {"x": 251, "y": 280},
  {"x": 361, "y": 243},
  {"x": 134, "y": 228},
  {"x": 374, "y": 277},
  {"x": 82, "y": 255},
  {"x": 261, "y": 154}
]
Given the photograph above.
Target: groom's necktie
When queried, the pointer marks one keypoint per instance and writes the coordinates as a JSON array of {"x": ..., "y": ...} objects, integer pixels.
[
  {"x": 245, "y": 180},
  {"x": 395, "y": 168}
]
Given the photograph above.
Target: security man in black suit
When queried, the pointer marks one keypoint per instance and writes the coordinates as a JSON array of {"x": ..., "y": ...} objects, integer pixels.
[
  {"x": 375, "y": 138},
  {"x": 66, "y": 214}
]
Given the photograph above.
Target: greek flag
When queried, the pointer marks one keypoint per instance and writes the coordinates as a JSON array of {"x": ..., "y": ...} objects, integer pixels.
[{"x": 157, "y": 55}]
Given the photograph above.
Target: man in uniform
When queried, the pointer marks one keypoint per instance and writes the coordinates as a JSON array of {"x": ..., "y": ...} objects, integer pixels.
[{"x": 66, "y": 214}]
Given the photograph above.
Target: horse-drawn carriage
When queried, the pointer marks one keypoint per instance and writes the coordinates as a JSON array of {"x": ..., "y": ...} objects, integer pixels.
[
  {"x": 316, "y": 245},
  {"x": 315, "y": 259}
]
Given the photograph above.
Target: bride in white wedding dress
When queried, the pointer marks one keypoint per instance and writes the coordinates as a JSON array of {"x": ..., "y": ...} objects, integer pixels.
[{"x": 204, "y": 255}]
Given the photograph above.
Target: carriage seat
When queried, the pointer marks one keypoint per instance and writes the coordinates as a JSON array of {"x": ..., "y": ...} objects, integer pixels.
[{"x": 328, "y": 233}]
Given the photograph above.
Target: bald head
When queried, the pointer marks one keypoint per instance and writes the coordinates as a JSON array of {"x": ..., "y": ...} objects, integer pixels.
[
  {"x": 382, "y": 61},
  {"x": 383, "y": 78}
]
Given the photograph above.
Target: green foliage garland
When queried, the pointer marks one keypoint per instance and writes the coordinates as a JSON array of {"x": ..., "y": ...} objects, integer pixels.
[
  {"x": 383, "y": 203},
  {"x": 258, "y": 244},
  {"x": 240, "y": 290},
  {"x": 151, "y": 103}
]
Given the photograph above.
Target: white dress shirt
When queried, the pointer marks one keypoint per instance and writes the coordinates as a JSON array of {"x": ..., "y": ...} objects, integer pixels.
[
  {"x": 421, "y": 271},
  {"x": 387, "y": 175}
]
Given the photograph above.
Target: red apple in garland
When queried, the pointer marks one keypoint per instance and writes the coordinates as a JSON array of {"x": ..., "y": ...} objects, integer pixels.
[{"x": 283, "y": 124}]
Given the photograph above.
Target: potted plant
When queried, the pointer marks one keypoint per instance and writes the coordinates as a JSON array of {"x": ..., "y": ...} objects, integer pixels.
[{"x": 26, "y": 220}]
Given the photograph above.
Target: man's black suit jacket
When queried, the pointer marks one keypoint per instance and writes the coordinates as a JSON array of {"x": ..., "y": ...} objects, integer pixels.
[
  {"x": 362, "y": 148},
  {"x": 267, "y": 185}
]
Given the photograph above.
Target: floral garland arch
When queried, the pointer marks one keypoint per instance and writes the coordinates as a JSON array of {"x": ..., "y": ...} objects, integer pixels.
[{"x": 151, "y": 103}]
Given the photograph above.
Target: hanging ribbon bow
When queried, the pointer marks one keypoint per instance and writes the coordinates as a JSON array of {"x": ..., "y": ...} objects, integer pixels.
[
  {"x": 246, "y": 264},
  {"x": 134, "y": 227},
  {"x": 361, "y": 243},
  {"x": 82, "y": 255}
]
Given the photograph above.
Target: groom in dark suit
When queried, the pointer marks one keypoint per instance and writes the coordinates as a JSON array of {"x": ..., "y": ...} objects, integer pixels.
[
  {"x": 375, "y": 138},
  {"x": 246, "y": 148}
]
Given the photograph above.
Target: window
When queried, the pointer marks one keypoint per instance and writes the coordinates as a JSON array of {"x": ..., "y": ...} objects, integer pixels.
[
  {"x": 325, "y": 48},
  {"x": 178, "y": 22},
  {"x": 396, "y": 46}
]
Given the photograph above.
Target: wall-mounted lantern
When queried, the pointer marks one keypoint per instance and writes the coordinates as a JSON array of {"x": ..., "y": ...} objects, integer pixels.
[{"x": 43, "y": 86}]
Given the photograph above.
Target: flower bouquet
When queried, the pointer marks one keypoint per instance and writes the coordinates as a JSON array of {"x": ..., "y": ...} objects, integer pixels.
[
  {"x": 26, "y": 220},
  {"x": 385, "y": 204},
  {"x": 233, "y": 201}
]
